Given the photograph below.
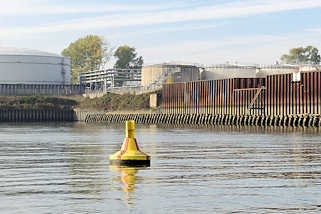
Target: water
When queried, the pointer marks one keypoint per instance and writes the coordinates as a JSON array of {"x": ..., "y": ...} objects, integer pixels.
[{"x": 63, "y": 168}]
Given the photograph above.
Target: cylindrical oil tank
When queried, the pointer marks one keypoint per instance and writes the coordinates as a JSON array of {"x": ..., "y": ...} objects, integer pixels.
[
  {"x": 23, "y": 66},
  {"x": 264, "y": 71},
  {"x": 169, "y": 73},
  {"x": 227, "y": 71}
]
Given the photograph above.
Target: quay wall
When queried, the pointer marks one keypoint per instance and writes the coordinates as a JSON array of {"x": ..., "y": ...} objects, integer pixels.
[
  {"x": 276, "y": 100},
  {"x": 35, "y": 115},
  {"x": 303, "y": 120},
  {"x": 48, "y": 115},
  {"x": 273, "y": 95}
]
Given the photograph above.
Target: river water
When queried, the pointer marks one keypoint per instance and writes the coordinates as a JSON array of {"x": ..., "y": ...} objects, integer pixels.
[{"x": 64, "y": 168}]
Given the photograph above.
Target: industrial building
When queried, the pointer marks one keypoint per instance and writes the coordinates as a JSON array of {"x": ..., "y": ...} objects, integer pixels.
[
  {"x": 158, "y": 74},
  {"x": 102, "y": 80},
  {"x": 151, "y": 78},
  {"x": 33, "y": 67},
  {"x": 266, "y": 70},
  {"x": 136, "y": 81},
  {"x": 226, "y": 71},
  {"x": 30, "y": 72},
  {"x": 167, "y": 73}
]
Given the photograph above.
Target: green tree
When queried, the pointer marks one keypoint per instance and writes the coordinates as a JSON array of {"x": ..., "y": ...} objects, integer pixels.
[
  {"x": 87, "y": 54},
  {"x": 307, "y": 55},
  {"x": 127, "y": 57}
]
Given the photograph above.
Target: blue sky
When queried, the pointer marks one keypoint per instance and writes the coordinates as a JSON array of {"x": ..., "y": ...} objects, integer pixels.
[{"x": 191, "y": 31}]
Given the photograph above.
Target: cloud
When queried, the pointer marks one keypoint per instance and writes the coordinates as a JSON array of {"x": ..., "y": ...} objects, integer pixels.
[
  {"x": 186, "y": 27},
  {"x": 314, "y": 30},
  {"x": 255, "y": 49},
  {"x": 45, "y": 7},
  {"x": 153, "y": 30},
  {"x": 199, "y": 46},
  {"x": 183, "y": 17},
  {"x": 140, "y": 17}
]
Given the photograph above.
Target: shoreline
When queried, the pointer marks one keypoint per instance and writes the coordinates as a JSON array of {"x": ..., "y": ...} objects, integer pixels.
[
  {"x": 149, "y": 117},
  {"x": 304, "y": 120}
]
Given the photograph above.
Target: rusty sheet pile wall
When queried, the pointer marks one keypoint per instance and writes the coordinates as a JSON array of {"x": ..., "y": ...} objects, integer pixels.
[{"x": 274, "y": 95}]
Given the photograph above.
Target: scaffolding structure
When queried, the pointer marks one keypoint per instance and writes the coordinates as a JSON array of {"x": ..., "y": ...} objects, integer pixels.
[{"x": 103, "y": 80}]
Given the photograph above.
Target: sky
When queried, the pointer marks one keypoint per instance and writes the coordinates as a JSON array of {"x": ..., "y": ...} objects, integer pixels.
[{"x": 189, "y": 31}]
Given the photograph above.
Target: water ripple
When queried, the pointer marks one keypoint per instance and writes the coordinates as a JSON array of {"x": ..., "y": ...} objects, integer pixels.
[{"x": 64, "y": 168}]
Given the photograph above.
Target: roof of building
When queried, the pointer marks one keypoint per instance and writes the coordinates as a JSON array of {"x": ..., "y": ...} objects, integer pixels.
[
  {"x": 170, "y": 65},
  {"x": 26, "y": 52}
]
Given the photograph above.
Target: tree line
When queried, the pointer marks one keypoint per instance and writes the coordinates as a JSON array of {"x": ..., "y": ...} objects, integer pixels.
[
  {"x": 92, "y": 52},
  {"x": 302, "y": 55}
]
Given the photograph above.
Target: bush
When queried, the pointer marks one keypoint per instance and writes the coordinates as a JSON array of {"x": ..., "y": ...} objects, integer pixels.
[
  {"x": 115, "y": 102},
  {"x": 109, "y": 102},
  {"x": 36, "y": 102}
]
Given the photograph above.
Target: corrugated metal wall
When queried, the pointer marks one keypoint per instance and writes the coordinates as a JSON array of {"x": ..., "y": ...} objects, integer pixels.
[
  {"x": 285, "y": 97},
  {"x": 275, "y": 95}
]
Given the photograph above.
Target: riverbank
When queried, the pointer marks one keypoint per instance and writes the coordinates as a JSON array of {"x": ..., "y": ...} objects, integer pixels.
[
  {"x": 41, "y": 115},
  {"x": 37, "y": 115},
  {"x": 114, "y": 103},
  {"x": 205, "y": 119},
  {"x": 70, "y": 108},
  {"x": 108, "y": 102},
  {"x": 119, "y": 108},
  {"x": 36, "y": 103}
]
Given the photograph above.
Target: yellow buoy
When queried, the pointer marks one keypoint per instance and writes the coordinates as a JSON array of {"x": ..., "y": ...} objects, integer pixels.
[{"x": 129, "y": 154}]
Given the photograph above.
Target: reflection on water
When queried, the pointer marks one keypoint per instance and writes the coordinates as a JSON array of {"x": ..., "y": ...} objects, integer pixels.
[
  {"x": 87, "y": 163},
  {"x": 127, "y": 178},
  {"x": 64, "y": 168}
]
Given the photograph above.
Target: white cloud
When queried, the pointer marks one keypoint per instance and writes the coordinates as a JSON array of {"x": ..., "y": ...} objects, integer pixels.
[
  {"x": 230, "y": 10},
  {"x": 252, "y": 49},
  {"x": 186, "y": 27},
  {"x": 256, "y": 49},
  {"x": 314, "y": 30},
  {"x": 153, "y": 30},
  {"x": 43, "y": 7}
]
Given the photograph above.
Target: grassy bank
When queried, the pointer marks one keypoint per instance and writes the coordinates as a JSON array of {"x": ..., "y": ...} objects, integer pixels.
[
  {"x": 116, "y": 102},
  {"x": 36, "y": 102},
  {"x": 109, "y": 102}
]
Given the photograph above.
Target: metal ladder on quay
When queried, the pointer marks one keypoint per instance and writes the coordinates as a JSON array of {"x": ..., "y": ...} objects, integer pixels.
[{"x": 256, "y": 96}]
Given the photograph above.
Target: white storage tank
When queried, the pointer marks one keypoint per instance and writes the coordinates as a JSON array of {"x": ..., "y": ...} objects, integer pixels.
[
  {"x": 169, "y": 72},
  {"x": 23, "y": 66},
  {"x": 226, "y": 71},
  {"x": 266, "y": 70}
]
